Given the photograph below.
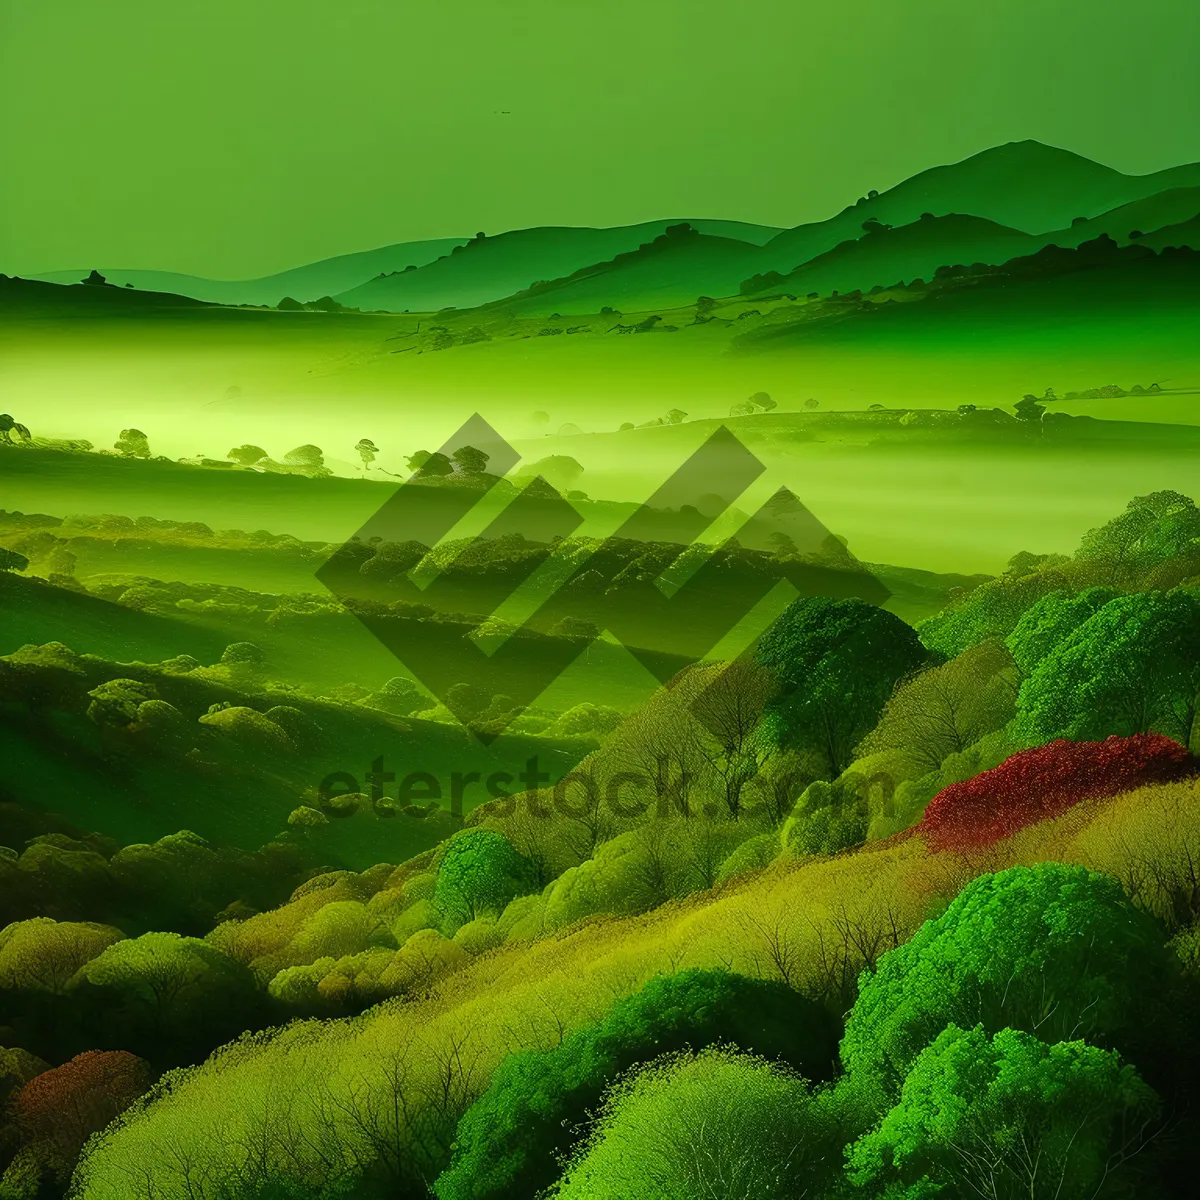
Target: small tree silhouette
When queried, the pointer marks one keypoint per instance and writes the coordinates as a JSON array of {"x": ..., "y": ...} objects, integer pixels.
[{"x": 367, "y": 450}]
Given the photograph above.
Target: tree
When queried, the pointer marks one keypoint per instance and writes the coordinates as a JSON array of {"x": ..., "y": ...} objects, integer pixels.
[
  {"x": 509, "y": 1140},
  {"x": 41, "y": 956},
  {"x": 761, "y": 402},
  {"x": 827, "y": 818},
  {"x": 57, "y": 1111},
  {"x": 675, "y": 416},
  {"x": 991, "y": 610},
  {"x": 479, "y": 873},
  {"x": 811, "y": 403},
  {"x": 730, "y": 708},
  {"x": 836, "y": 662},
  {"x": 8, "y": 427},
  {"x": 95, "y": 279},
  {"x": 470, "y": 461},
  {"x": 1132, "y": 667},
  {"x": 428, "y": 465},
  {"x": 1057, "y": 951},
  {"x": 115, "y": 703},
  {"x": 1028, "y": 408},
  {"x": 715, "y": 1124},
  {"x": 171, "y": 998},
  {"x": 402, "y": 697},
  {"x": 1041, "y": 783},
  {"x": 945, "y": 709},
  {"x": 244, "y": 654},
  {"x": 247, "y": 455},
  {"x": 560, "y": 470},
  {"x": 1151, "y": 530},
  {"x": 308, "y": 459},
  {"x": 1051, "y": 619},
  {"x": 1008, "y": 1117},
  {"x": 367, "y": 450},
  {"x": 133, "y": 443},
  {"x": 10, "y": 560}
]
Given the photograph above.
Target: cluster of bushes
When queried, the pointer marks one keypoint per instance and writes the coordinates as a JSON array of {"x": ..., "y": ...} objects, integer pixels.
[
  {"x": 1059, "y": 682},
  {"x": 992, "y": 1050}
]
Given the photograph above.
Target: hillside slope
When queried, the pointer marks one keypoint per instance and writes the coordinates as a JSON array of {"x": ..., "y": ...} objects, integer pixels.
[
  {"x": 309, "y": 282},
  {"x": 916, "y": 250},
  {"x": 674, "y": 269},
  {"x": 495, "y": 267},
  {"x": 1024, "y": 185}
]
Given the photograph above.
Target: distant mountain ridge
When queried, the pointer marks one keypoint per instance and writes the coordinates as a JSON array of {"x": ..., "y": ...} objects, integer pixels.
[{"x": 1003, "y": 201}]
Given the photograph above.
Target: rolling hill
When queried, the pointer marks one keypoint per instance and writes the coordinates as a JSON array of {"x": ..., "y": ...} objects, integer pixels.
[
  {"x": 492, "y": 268},
  {"x": 309, "y": 282},
  {"x": 916, "y": 250},
  {"x": 1025, "y": 185},
  {"x": 1185, "y": 233},
  {"x": 671, "y": 271}
]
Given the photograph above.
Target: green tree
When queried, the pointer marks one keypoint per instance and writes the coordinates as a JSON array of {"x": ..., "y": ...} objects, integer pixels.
[
  {"x": 509, "y": 1141},
  {"x": 1028, "y": 408},
  {"x": 429, "y": 465},
  {"x": 401, "y": 696},
  {"x": 247, "y": 455},
  {"x": 1010, "y": 1118},
  {"x": 10, "y": 560},
  {"x": 166, "y": 997},
  {"x": 133, "y": 443},
  {"x": 991, "y": 610},
  {"x": 367, "y": 450},
  {"x": 944, "y": 710},
  {"x": 41, "y": 955},
  {"x": 1152, "y": 529},
  {"x": 1133, "y": 666},
  {"x": 470, "y": 461},
  {"x": 479, "y": 873},
  {"x": 717, "y": 1124},
  {"x": 837, "y": 662},
  {"x": 243, "y": 654},
  {"x": 1054, "y": 950},
  {"x": 115, "y": 703},
  {"x": 1051, "y": 619},
  {"x": 308, "y": 459}
]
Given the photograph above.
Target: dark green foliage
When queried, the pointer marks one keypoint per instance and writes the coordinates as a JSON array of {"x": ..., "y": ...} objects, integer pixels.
[
  {"x": 1132, "y": 667},
  {"x": 837, "y": 662},
  {"x": 508, "y": 1140},
  {"x": 10, "y": 560},
  {"x": 1054, "y": 950}
]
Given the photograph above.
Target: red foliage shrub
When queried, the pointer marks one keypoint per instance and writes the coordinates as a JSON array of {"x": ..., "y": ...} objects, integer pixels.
[
  {"x": 57, "y": 1111},
  {"x": 1041, "y": 783}
]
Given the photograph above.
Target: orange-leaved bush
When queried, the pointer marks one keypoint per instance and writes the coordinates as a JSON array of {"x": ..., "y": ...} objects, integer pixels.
[{"x": 1044, "y": 782}]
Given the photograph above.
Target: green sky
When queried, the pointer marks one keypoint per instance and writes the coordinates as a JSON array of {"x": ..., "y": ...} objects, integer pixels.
[{"x": 232, "y": 138}]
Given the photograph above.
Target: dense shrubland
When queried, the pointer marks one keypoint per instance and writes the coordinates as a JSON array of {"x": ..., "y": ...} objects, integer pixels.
[{"x": 491, "y": 1016}]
